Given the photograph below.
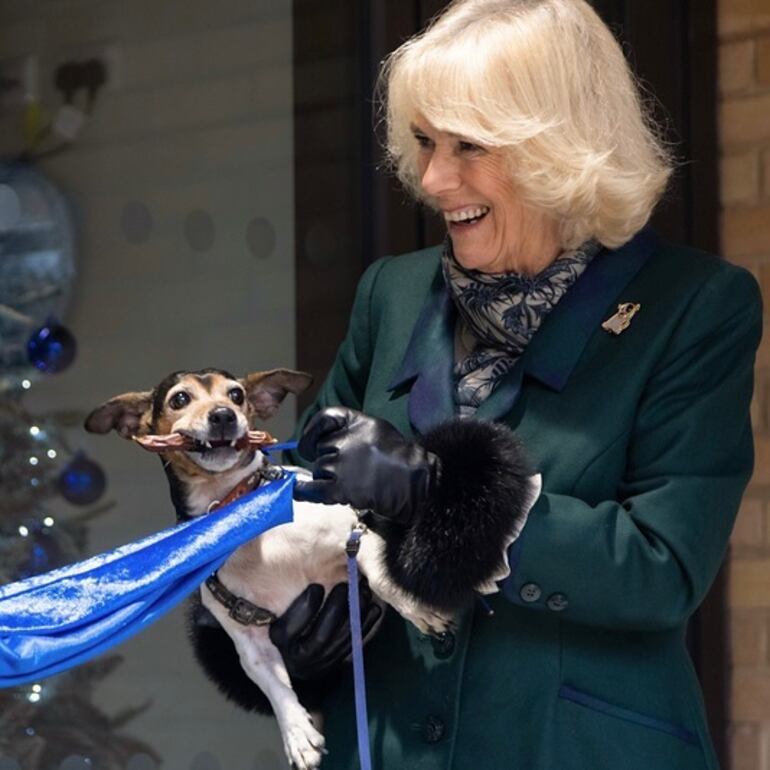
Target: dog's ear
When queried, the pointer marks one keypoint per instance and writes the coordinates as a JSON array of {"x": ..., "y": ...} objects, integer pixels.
[
  {"x": 266, "y": 390},
  {"x": 128, "y": 414}
]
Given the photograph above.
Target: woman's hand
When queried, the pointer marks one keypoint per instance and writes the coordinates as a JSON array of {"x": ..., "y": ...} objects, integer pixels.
[
  {"x": 313, "y": 636},
  {"x": 365, "y": 462}
]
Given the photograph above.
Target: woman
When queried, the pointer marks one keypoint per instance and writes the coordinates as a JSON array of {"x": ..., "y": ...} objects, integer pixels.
[{"x": 621, "y": 363}]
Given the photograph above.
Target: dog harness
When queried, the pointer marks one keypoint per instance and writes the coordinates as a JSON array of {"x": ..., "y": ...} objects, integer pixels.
[{"x": 241, "y": 610}]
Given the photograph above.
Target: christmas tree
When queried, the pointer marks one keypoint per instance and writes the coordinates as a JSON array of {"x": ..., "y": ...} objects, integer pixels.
[{"x": 49, "y": 490}]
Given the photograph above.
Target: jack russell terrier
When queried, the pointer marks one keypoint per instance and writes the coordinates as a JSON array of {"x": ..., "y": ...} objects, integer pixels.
[{"x": 203, "y": 425}]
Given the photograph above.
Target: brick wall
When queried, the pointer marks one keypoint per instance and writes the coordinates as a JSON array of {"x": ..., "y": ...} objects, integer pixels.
[{"x": 744, "y": 55}]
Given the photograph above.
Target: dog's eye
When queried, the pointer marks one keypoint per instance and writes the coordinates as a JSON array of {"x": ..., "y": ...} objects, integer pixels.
[
  {"x": 179, "y": 400},
  {"x": 236, "y": 396}
]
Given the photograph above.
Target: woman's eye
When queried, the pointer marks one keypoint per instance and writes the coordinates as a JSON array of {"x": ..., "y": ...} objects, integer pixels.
[
  {"x": 179, "y": 400},
  {"x": 468, "y": 147},
  {"x": 236, "y": 396},
  {"x": 423, "y": 141}
]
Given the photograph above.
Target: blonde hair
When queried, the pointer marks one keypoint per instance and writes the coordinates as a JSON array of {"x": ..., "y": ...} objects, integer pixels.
[{"x": 546, "y": 81}]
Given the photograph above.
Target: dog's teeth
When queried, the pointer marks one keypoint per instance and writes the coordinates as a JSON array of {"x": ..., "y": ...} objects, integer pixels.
[
  {"x": 232, "y": 443},
  {"x": 208, "y": 444}
]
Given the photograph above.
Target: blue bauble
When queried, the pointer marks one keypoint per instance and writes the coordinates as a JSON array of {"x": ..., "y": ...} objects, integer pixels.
[
  {"x": 52, "y": 347},
  {"x": 37, "y": 267},
  {"x": 44, "y": 553},
  {"x": 82, "y": 481}
]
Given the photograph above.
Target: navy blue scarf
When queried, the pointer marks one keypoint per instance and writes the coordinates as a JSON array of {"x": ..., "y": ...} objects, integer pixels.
[{"x": 499, "y": 313}]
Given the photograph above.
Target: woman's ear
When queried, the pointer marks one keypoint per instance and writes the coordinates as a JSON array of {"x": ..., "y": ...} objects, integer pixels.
[
  {"x": 266, "y": 390},
  {"x": 128, "y": 414}
]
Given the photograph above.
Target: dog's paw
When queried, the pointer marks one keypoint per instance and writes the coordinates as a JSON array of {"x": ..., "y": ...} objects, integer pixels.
[
  {"x": 438, "y": 625},
  {"x": 443, "y": 625},
  {"x": 427, "y": 620},
  {"x": 303, "y": 744}
]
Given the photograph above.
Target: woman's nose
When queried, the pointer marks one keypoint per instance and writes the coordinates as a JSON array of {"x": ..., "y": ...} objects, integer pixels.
[{"x": 441, "y": 175}]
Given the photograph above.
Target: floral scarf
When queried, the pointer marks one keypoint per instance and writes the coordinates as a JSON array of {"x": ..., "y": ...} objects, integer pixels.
[{"x": 499, "y": 313}]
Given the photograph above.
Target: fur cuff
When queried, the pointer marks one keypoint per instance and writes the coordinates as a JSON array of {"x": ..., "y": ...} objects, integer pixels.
[{"x": 456, "y": 543}]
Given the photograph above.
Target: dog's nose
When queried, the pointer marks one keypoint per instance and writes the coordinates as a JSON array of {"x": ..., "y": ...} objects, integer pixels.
[{"x": 222, "y": 417}]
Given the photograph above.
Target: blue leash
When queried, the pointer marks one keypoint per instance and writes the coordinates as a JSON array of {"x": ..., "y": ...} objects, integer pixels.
[
  {"x": 285, "y": 447},
  {"x": 359, "y": 683},
  {"x": 354, "y": 604}
]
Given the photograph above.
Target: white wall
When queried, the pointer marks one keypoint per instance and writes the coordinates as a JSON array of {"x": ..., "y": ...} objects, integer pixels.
[{"x": 200, "y": 121}]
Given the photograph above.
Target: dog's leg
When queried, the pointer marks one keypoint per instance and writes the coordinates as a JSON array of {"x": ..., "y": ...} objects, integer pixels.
[
  {"x": 428, "y": 620},
  {"x": 263, "y": 663}
]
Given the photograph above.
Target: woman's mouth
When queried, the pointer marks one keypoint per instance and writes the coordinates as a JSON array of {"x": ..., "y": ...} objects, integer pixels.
[{"x": 465, "y": 217}]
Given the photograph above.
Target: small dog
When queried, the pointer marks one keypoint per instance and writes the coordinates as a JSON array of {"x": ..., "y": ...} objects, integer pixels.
[{"x": 202, "y": 423}]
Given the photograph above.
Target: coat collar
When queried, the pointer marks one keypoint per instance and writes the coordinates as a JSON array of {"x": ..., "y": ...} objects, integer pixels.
[
  {"x": 429, "y": 360},
  {"x": 549, "y": 358},
  {"x": 557, "y": 346}
]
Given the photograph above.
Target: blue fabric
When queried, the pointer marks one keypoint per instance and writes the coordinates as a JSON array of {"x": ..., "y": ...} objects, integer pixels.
[
  {"x": 52, "y": 622},
  {"x": 287, "y": 446}
]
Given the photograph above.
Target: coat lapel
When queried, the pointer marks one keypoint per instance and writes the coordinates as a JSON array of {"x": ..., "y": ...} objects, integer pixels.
[
  {"x": 549, "y": 358},
  {"x": 428, "y": 360},
  {"x": 557, "y": 346}
]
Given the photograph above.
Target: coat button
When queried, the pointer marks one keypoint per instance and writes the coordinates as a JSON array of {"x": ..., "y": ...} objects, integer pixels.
[
  {"x": 433, "y": 729},
  {"x": 443, "y": 644},
  {"x": 530, "y": 592},
  {"x": 557, "y": 602}
]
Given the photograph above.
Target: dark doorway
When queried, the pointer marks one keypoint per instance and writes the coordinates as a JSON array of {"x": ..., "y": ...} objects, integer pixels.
[{"x": 349, "y": 212}]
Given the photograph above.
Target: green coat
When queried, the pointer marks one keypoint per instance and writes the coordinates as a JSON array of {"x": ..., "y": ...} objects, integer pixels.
[{"x": 645, "y": 446}]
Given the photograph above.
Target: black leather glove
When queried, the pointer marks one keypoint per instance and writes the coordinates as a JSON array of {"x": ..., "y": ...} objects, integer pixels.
[
  {"x": 365, "y": 462},
  {"x": 312, "y": 638}
]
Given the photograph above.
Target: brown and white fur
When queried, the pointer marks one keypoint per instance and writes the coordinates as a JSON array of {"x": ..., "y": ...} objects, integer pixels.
[{"x": 211, "y": 408}]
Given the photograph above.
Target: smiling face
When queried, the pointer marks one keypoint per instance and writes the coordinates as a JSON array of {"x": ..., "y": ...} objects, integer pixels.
[
  {"x": 201, "y": 422},
  {"x": 491, "y": 228},
  {"x": 209, "y": 409}
]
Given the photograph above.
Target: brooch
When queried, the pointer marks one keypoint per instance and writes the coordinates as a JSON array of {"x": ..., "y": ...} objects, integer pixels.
[{"x": 621, "y": 320}]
